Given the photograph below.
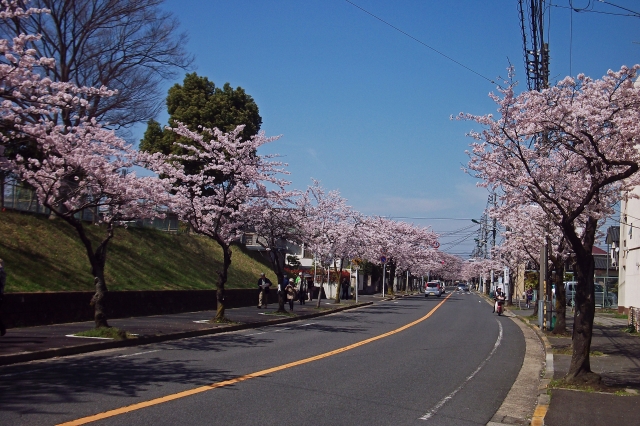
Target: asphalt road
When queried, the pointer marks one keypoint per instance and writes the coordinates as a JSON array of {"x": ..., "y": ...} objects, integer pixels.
[{"x": 453, "y": 368}]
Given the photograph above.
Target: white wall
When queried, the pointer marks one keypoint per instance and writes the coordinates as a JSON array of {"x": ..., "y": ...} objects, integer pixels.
[{"x": 629, "y": 271}]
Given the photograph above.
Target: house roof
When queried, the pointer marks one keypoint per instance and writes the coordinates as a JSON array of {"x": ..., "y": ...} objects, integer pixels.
[
  {"x": 601, "y": 263},
  {"x": 613, "y": 235},
  {"x": 597, "y": 250}
]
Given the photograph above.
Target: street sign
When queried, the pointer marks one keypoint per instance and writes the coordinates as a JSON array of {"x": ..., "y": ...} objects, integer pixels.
[
  {"x": 436, "y": 245},
  {"x": 383, "y": 259}
]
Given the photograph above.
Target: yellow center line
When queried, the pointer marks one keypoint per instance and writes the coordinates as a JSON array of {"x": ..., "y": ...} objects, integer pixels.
[{"x": 194, "y": 391}]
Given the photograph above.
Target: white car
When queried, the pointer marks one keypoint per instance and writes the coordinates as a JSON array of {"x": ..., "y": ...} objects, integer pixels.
[{"x": 432, "y": 287}]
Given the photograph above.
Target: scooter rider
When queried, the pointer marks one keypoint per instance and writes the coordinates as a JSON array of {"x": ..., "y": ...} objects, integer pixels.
[{"x": 497, "y": 296}]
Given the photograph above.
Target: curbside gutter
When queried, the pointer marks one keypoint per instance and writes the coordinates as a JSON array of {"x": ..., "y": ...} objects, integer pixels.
[{"x": 145, "y": 340}]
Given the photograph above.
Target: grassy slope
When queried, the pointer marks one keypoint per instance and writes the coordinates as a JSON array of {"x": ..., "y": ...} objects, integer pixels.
[{"x": 46, "y": 255}]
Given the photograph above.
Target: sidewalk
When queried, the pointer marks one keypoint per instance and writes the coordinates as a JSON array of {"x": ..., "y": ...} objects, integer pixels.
[
  {"x": 41, "y": 342},
  {"x": 615, "y": 356}
]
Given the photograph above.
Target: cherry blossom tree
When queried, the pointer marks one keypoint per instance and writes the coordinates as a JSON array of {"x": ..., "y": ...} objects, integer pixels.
[
  {"x": 406, "y": 246},
  {"x": 277, "y": 221},
  {"x": 26, "y": 96},
  {"x": 329, "y": 226},
  {"x": 218, "y": 174},
  {"x": 526, "y": 231},
  {"x": 85, "y": 168},
  {"x": 72, "y": 169},
  {"x": 572, "y": 149}
]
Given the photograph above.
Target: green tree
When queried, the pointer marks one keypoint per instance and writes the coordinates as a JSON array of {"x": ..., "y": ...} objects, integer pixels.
[{"x": 198, "y": 102}]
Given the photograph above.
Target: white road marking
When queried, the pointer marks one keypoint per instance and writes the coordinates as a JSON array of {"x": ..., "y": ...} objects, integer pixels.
[
  {"x": 279, "y": 329},
  {"x": 201, "y": 321},
  {"x": 88, "y": 337},
  {"x": 459, "y": 388},
  {"x": 137, "y": 353}
]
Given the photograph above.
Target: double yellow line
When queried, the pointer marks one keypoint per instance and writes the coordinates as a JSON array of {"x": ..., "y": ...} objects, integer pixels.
[{"x": 163, "y": 399}]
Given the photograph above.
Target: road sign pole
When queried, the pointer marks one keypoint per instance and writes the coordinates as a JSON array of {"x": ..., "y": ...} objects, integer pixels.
[{"x": 384, "y": 274}]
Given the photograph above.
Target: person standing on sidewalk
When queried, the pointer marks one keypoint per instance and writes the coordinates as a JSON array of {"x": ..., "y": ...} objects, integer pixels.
[
  {"x": 3, "y": 281},
  {"x": 290, "y": 291},
  {"x": 263, "y": 284},
  {"x": 529, "y": 296},
  {"x": 345, "y": 289}
]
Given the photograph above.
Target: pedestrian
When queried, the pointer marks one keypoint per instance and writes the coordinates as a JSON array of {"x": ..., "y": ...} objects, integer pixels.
[
  {"x": 529, "y": 295},
  {"x": 263, "y": 284},
  {"x": 3, "y": 281},
  {"x": 345, "y": 288},
  {"x": 302, "y": 289},
  {"x": 290, "y": 291}
]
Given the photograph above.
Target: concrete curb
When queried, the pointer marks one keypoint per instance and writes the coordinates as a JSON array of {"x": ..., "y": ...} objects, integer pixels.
[
  {"x": 544, "y": 399},
  {"x": 145, "y": 340}
]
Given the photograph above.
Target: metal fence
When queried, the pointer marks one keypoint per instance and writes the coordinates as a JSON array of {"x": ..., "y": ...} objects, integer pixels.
[{"x": 21, "y": 198}]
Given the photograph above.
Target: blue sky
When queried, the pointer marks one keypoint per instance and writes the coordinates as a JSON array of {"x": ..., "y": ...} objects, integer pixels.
[{"x": 365, "y": 109}]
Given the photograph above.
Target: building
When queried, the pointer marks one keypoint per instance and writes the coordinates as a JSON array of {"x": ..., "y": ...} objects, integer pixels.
[{"x": 628, "y": 251}]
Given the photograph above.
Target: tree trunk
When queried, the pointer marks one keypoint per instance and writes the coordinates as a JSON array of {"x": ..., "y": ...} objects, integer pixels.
[
  {"x": 97, "y": 260},
  {"x": 511, "y": 287},
  {"x": 561, "y": 298},
  {"x": 3, "y": 177},
  {"x": 277, "y": 261},
  {"x": 580, "y": 368},
  {"x": 392, "y": 276},
  {"x": 222, "y": 279},
  {"x": 98, "y": 302}
]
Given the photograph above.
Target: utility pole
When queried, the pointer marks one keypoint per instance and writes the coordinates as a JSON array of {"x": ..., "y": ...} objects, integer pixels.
[{"x": 536, "y": 63}]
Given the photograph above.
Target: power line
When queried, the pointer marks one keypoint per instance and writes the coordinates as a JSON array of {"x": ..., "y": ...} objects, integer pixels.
[
  {"x": 580, "y": 10},
  {"x": 421, "y": 42},
  {"x": 428, "y": 218},
  {"x": 619, "y": 7}
]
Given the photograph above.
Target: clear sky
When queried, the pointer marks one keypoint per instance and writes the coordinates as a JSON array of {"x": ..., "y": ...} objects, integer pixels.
[{"x": 365, "y": 109}]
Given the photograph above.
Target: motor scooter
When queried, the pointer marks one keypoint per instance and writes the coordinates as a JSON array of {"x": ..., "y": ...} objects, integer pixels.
[{"x": 500, "y": 304}]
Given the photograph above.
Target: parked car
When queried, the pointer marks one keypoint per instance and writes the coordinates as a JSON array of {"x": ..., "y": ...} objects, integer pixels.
[
  {"x": 432, "y": 287},
  {"x": 570, "y": 289}
]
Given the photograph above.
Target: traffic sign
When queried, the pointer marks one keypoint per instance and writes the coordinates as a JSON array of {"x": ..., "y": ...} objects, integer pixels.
[{"x": 383, "y": 259}]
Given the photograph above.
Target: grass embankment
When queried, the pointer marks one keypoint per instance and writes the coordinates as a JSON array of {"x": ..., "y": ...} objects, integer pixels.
[{"x": 46, "y": 255}]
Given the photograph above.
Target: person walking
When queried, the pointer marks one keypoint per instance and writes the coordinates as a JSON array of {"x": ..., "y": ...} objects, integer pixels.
[
  {"x": 290, "y": 291},
  {"x": 302, "y": 289},
  {"x": 3, "y": 281},
  {"x": 263, "y": 284},
  {"x": 529, "y": 296},
  {"x": 345, "y": 289}
]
